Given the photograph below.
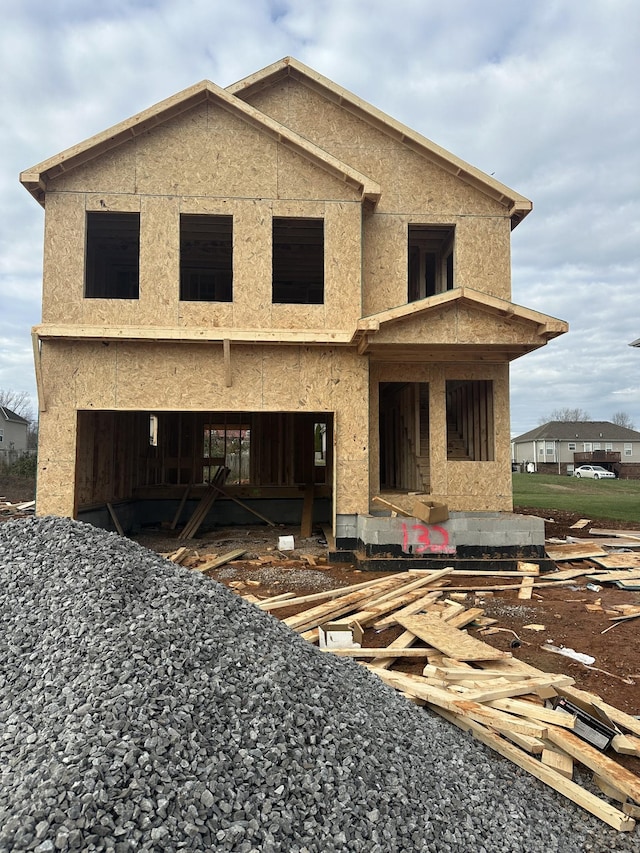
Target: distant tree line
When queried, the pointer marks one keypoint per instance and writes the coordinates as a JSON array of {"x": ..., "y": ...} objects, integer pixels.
[{"x": 579, "y": 415}]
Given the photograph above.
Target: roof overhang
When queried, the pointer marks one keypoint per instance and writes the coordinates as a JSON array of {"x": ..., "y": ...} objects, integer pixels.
[
  {"x": 518, "y": 206},
  {"x": 534, "y": 330},
  {"x": 37, "y": 178}
]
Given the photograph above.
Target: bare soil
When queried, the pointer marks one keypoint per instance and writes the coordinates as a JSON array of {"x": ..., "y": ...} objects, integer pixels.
[{"x": 264, "y": 570}]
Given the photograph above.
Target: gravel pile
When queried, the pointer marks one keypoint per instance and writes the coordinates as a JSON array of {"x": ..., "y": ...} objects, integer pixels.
[{"x": 144, "y": 707}]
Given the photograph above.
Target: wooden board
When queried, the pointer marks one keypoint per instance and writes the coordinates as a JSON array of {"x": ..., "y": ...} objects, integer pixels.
[
  {"x": 453, "y": 642},
  {"x": 613, "y": 576},
  {"x": 619, "y": 561},
  {"x": 574, "y": 551},
  {"x": 215, "y": 562},
  {"x": 609, "y": 814},
  {"x": 633, "y": 534}
]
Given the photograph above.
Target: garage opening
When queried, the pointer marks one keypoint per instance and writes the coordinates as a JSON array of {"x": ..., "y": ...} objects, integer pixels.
[
  {"x": 154, "y": 461},
  {"x": 404, "y": 436}
]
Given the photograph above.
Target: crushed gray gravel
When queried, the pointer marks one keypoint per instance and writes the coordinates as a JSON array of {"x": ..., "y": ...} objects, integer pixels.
[{"x": 144, "y": 707}]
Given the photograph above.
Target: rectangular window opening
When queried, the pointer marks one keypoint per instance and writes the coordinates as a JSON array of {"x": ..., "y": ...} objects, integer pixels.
[
  {"x": 228, "y": 445},
  {"x": 112, "y": 255},
  {"x": 628, "y": 449},
  {"x": 431, "y": 268},
  {"x": 298, "y": 261},
  {"x": 470, "y": 421},
  {"x": 206, "y": 258}
]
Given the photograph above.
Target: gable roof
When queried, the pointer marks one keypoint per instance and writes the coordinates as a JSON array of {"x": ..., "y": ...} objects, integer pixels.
[
  {"x": 543, "y": 327},
  {"x": 8, "y": 415},
  {"x": 517, "y": 204},
  {"x": 37, "y": 177},
  {"x": 579, "y": 430}
]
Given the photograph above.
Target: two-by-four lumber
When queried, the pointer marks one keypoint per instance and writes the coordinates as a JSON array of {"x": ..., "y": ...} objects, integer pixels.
[
  {"x": 206, "y": 502},
  {"x": 215, "y": 562},
  {"x": 333, "y": 609},
  {"x": 612, "y": 772},
  {"x": 590, "y": 802},
  {"x": 327, "y": 594}
]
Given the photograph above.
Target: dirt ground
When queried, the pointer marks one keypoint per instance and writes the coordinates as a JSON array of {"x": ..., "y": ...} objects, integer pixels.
[
  {"x": 568, "y": 613},
  {"x": 561, "y": 610}
]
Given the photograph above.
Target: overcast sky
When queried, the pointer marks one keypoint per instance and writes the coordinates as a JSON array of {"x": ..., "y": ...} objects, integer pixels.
[{"x": 543, "y": 94}]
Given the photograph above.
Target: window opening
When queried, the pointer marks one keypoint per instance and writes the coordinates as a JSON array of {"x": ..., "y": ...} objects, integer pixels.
[
  {"x": 320, "y": 444},
  {"x": 628, "y": 449},
  {"x": 206, "y": 258},
  {"x": 227, "y": 444},
  {"x": 430, "y": 260},
  {"x": 153, "y": 430},
  {"x": 298, "y": 261},
  {"x": 112, "y": 255},
  {"x": 572, "y": 445},
  {"x": 470, "y": 423}
]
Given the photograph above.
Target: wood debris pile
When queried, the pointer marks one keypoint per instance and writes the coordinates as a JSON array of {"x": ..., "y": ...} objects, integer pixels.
[
  {"x": 13, "y": 510},
  {"x": 512, "y": 707}
]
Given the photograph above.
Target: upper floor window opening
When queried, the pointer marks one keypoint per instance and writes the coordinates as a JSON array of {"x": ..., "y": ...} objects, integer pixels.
[
  {"x": 206, "y": 258},
  {"x": 430, "y": 260},
  {"x": 112, "y": 255},
  {"x": 298, "y": 261}
]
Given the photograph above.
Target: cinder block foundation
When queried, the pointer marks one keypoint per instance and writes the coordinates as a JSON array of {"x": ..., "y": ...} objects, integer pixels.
[{"x": 466, "y": 538}]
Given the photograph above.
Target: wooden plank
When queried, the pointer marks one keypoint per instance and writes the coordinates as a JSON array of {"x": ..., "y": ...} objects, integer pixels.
[
  {"x": 456, "y": 674},
  {"x": 388, "y": 505},
  {"x": 115, "y": 519},
  {"x": 370, "y": 653},
  {"x": 332, "y": 609},
  {"x": 559, "y": 761},
  {"x": 528, "y": 568},
  {"x": 451, "y": 641},
  {"x": 215, "y": 562},
  {"x": 602, "y": 810},
  {"x": 568, "y": 574},
  {"x": 631, "y": 534},
  {"x": 518, "y": 688},
  {"x": 176, "y": 517},
  {"x": 442, "y": 698},
  {"x": 625, "y": 721},
  {"x": 536, "y": 712},
  {"x": 306, "y": 524},
  {"x": 612, "y": 772},
  {"x": 526, "y": 588},
  {"x": 613, "y": 576},
  {"x": 619, "y": 561},
  {"x": 405, "y": 639},
  {"x": 244, "y": 505},
  {"x": 582, "y": 522},
  {"x": 626, "y": 745},
  {"x": 421, "y": 604},
  {"x": 327, "y": 594},
  {"x": 574, "y": 551}
]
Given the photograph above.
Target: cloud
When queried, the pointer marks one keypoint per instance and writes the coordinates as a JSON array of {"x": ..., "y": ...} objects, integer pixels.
[{"x": 543, "y": 95}]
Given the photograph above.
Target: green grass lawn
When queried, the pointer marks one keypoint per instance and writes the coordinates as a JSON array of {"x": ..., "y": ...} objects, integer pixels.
[{"x": 615, "y": 499}]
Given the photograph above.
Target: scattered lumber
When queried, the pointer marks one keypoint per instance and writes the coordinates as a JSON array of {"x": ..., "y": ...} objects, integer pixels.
[
  {"x": 206, "y": 502},
  {"x": 575, "y": 551},
  {"x": 622, "y": 534},
  {"x": 479, "y": 688},
  {"x": 216, "y": 562}
]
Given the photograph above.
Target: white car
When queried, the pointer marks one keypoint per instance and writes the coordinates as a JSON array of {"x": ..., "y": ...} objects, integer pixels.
[{"x": 596, "y": 472}]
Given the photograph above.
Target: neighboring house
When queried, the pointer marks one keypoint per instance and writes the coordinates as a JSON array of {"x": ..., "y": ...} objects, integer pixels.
[
  {"x": 13, "y": 434},
  {"x": 559, "y": 446},
  {"x": 280, "y": 278}
]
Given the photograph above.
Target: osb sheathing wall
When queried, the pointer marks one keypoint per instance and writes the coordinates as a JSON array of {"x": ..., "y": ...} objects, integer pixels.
[
  {"x": 463, "y": 485},
  {"x": 456, "y": 324},
  {"x": 166, "y": 172},
  {"x": 170, "y": 377},
  {"x": 414, "y": 191}
]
